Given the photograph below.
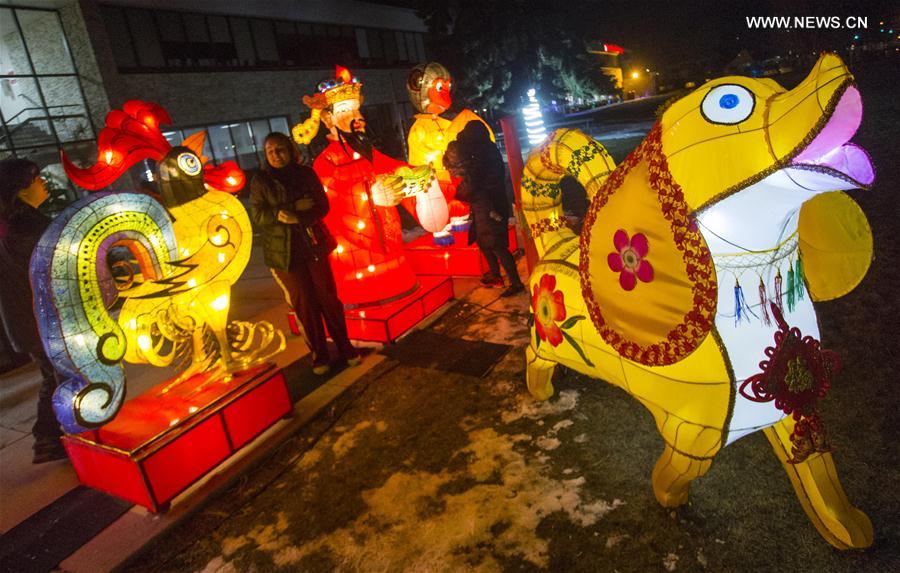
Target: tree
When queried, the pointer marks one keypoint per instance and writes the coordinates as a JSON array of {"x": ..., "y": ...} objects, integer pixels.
[{"x": 498, "y": 50}]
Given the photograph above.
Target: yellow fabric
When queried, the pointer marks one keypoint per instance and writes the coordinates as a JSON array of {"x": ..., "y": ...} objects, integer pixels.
[
  {"x": 835, "y": 245},
  {"x": 781, "y": 123},
  {"x": 635, "y": 207}
]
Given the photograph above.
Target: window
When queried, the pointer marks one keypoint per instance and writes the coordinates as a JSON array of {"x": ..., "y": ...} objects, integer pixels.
[
  {"x": 146, "y": 42},
  {"x": 42, "y": 109},
  {"x": 150, "y": 40},
  {"x": 241, "y": 141}
]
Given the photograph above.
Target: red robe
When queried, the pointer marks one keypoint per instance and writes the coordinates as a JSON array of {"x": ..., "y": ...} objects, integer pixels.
[{"x": 368, "y": 264}]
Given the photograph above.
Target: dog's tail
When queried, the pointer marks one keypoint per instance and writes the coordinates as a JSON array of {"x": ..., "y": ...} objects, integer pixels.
[{"x": 567, "y": 152}]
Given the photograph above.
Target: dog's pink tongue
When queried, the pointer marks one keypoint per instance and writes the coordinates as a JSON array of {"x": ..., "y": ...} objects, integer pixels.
[
  {"x": 841, "y": 126},
  {"x": 829, "y": 149}
]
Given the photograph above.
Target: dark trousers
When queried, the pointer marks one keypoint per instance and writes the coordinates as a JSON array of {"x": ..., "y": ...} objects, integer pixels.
[
  {"x": 310, "y": 290},
  {"x": 46, "y": 426},
  {"x": 493, "y": 242}
]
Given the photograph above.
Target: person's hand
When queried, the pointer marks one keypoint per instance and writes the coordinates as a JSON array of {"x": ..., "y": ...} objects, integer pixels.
[
  {"x": 287, "y": 217},
  {"x": 304, "y": 204},
  {"x": 495, "y": 216}
]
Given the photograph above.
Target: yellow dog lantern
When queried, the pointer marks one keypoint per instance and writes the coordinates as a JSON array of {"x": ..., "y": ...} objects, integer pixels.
[{"x": 739, "y": 183}]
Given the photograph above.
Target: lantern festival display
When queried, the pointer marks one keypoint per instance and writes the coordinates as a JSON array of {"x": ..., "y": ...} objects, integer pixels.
[
  {"x": 167, "y": 308},
  {"x": 429, "y": 87},
  {"x": 363, "y": 186},
  {"x": 692, "y": 283}
]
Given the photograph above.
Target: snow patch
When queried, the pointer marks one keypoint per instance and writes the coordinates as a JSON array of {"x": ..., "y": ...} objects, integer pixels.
[
  {"x": 527, "y": 407},
  {"x": 412, "y": 523}
]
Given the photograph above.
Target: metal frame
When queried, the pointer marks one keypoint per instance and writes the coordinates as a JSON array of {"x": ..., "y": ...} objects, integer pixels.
[{"x": 7, "y": 131}]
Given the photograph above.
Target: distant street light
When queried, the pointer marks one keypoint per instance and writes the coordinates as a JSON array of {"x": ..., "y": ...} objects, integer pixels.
[{"x": 635, "y": 75}]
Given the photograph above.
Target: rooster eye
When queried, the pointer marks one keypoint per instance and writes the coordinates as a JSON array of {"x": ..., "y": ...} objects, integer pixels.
[
  {"x": 728, "y": 104},
  {"x": 189, "y": 163}
]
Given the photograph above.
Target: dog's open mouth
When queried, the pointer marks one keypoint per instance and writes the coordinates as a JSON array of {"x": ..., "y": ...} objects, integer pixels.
[{"x": 830, "y": 151}]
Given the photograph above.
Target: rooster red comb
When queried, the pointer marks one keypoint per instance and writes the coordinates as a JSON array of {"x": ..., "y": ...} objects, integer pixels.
[{"x": 133, "y": 134}]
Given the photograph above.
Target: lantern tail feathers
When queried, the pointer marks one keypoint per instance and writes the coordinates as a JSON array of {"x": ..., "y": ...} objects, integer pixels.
[{"x": 567, "y": 152}]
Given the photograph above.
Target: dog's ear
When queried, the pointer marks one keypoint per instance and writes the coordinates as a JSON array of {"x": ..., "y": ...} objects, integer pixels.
[
  {"x": 646, "y": 273},
  {"x": 835, "y": 245}
]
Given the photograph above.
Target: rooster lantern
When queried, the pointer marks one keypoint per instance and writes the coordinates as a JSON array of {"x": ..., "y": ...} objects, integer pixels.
[
  {"x": 739, "y": 183},
  {"x": 189, "y": 249}
]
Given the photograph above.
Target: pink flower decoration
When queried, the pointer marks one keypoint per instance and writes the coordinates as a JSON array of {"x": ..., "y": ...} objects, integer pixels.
[{"x": 629, "y": 261}]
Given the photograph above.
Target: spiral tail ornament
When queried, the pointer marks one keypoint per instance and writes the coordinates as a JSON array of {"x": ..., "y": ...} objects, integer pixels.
[
  {"x": 567, "y": 152},
  {"x": 73, "y": 289}
]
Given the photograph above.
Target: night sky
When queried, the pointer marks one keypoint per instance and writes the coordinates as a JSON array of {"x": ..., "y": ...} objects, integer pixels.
[{"x": 664, "y": 34}]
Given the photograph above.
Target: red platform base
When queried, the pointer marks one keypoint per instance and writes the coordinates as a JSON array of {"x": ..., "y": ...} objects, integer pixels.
[
  {"x": 161, "y": 443},
  {"x": 459, "y": 259},
  {"x": 387, "y": 322}
]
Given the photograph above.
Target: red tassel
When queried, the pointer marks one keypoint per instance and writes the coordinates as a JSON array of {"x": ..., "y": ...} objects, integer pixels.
[
  {"x": 764, "y": 303},
  {"x": 778, "y": 292}
]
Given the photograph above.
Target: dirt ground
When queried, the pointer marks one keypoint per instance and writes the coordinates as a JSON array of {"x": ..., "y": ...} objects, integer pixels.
[{"x": 424, "y": 468}]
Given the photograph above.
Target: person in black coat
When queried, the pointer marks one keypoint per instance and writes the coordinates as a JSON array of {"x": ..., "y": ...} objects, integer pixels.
[
  {"x": 476, "y": 160},
  {"x": 288, "y": 204},
  {"x": 22, "y": 190}
]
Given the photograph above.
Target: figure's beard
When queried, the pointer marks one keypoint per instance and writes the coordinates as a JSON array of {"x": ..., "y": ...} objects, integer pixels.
[{"x": 357, "y": 139}]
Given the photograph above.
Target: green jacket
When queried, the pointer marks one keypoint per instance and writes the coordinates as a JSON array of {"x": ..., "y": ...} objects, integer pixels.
[{"x": 268, "y": 196}]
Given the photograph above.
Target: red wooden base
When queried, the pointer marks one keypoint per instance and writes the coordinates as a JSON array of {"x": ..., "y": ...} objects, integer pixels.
[
  {"x": 459, "y": 259},
  {"x": 385, "y": 323},
  {"x": 163, "y": 441}
]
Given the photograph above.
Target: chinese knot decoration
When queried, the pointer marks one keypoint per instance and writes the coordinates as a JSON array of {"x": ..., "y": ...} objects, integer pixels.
[{"x": 796, "y": 376}]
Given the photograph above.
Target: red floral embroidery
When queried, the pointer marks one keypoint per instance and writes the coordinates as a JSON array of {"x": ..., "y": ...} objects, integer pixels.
[
  {"x": 629, "y": 261},
  {"x": 549, "y": 308}
]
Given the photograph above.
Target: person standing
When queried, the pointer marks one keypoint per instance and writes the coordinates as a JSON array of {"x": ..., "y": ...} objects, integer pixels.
[
  {"x": 288, "y": 204},
  {"x": 22, "y": 190},
  {"x": 476, "y": 158}
]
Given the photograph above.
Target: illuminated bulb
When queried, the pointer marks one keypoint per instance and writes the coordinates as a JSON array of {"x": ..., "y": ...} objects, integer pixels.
[
  {"x": 355, "y": 155},
  {"x": 132, "y": 324},
  {"x": 185, "y": 252},
  {"x": 173, "y": 422},
  {"x": 74, "y": 248},
  {"x": 192, "y": 409},
  {"x": 364, "y": 197},
  {"x": 634, "y": 75},
  {"x": 192, "y": 283},
  {"x": 218, "y": 239},
  {"x": 109, "y": 156},
  {"x": 221, "y": 257},
  {"x": 325, "y": 187},
  {"x": 79, "y": 339},
  {"x": 231, "y": 180},
  {"x": 340, "y": 249},
  {"x": 371, "y": 268},
  {"x": 144, "y": 342},
  {"x": 224, "y": 215},
  {"x": 221, "y": 303},
  {"x": 359, "y": 275},
  {"x": 361, "y": 225},
  {"x": 446, "y": 256}
]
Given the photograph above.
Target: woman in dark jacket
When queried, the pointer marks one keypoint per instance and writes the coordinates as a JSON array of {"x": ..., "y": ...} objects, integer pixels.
[
  {"x": 475, "y": 158},
  {"x": 22, "y": 190},
  {"x": 287, "y": 205}
]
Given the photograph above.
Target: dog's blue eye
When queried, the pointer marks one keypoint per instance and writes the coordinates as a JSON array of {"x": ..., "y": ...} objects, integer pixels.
[
  {"x": 728, "y": 104},
  {"x": 728, "y": 101}
]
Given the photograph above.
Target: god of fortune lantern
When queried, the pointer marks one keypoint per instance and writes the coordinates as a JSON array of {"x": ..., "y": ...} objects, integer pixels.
[
  {"x": 363, "y": 187},
  {"x": 189, "y": 249},
  {"x": 429, "y": 88}
]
